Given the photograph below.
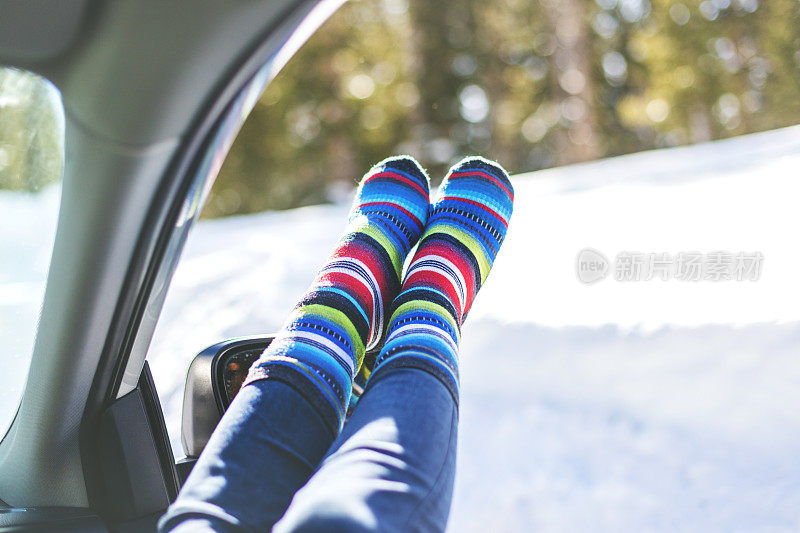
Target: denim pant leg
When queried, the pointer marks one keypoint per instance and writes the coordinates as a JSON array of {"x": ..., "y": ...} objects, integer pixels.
[
  {"x": 393, "y": 466},
  {"x": 268, "y": 443}
]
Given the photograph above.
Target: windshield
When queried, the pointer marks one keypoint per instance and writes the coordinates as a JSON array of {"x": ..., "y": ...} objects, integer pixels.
[{"x": 31, "y": 162}]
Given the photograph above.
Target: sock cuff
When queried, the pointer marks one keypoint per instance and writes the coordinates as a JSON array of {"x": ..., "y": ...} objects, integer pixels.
[
  {"x": 302, "y": 383},
  {"x": 398, "y": 362}
]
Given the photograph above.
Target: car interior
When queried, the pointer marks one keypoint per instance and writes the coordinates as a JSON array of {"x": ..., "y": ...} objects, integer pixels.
[
  {"x": 146, "y": 98},
  {"x": 153, "y": 94}
]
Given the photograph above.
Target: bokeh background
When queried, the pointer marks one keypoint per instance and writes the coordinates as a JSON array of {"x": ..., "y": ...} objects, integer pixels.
[{"x": 533, "y": 84}]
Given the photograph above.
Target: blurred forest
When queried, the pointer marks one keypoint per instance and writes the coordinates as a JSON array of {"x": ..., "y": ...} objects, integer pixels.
[
  {"x": 530, "y": 83},
  {"x": 31, "y": 131}
]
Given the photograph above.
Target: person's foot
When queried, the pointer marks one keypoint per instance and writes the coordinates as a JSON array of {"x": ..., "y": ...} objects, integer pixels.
[
  {"x": 466, "y": 226},
  {"x": 322, "y": 345}
]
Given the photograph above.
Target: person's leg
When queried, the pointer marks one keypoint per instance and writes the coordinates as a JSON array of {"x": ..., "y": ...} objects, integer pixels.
[
  {"x": 392, "y": 468},
  {"x": 291, "y": 408},
  {"x": 268, "y": 443}
]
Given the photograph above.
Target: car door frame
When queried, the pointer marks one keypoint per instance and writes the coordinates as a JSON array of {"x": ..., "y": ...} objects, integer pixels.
[{"x": 174, "y": 208}]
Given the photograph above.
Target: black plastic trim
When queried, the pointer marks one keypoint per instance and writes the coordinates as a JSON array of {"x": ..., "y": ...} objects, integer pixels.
[
  {"x": 139, "y": 474},
  {"x": 50, "y": 520},
  {"x": 158, "y": 427},
  {"x": 184, "y": 467}
]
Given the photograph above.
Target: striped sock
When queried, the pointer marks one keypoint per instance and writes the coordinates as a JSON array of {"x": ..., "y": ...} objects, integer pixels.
[
  {"x": 466, "y": 227},
  {"x": 322, "y": 345}
]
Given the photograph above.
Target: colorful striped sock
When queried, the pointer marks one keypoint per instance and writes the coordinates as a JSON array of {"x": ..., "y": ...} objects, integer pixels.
[
  {"x": 322, "y": 345},
  {"x": 466, "y": 227}
]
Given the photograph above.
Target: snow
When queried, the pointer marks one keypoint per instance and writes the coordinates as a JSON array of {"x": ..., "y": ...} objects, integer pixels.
[
  {"x": 638, "y": 406},
  {"x": 27, "y": 230}
]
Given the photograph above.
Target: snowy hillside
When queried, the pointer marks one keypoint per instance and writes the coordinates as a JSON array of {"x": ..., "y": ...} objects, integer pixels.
[
  {"x": 617, "y": 406},
  {"x": 639, "y": 406}
]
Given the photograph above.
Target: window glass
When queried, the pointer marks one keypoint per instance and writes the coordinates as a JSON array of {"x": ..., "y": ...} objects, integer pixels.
[
  {"x": 659, "y": 385},
  {"x": 31, "y": 163}
]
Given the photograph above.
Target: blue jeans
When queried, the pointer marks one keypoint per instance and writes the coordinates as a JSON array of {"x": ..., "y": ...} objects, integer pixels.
[{"x": 273, "y": 463}]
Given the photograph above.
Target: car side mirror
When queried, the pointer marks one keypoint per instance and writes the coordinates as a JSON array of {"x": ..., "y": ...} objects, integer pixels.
[{"x": 215, "y": 376}]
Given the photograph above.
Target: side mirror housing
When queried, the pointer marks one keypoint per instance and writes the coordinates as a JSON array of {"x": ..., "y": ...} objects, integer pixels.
[{"x": 214, "y": 377}]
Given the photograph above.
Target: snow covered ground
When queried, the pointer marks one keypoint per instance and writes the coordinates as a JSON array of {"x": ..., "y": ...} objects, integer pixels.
[{"x": 617, "y": 406}]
